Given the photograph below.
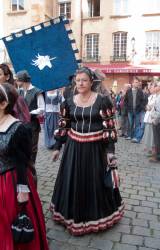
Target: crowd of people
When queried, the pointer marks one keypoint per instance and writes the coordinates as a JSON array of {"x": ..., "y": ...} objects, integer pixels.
[
  {"x": 138, "y": 115},
  {"x": 83, "y": 119}
]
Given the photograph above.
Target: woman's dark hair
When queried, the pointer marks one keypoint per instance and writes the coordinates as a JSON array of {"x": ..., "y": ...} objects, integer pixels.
[
  {"x": 8, "y": 93},
  {"x": 7, "y": 72},
  {"x": 86, "y": 70}
]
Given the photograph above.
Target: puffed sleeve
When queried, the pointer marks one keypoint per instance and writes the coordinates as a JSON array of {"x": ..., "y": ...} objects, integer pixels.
[
  {"x": 20, "y": 152},
  {"x": 63, "y": 126},
  {"x": 107, "y": 113}
]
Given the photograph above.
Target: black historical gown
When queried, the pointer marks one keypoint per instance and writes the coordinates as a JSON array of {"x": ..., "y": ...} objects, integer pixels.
[{"x": 80, "y": 199}]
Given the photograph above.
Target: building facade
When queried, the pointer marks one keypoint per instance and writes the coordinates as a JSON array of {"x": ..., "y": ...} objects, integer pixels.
[
  {"x": 120, "y": 37},
  {"x": 17, "y": 15}
]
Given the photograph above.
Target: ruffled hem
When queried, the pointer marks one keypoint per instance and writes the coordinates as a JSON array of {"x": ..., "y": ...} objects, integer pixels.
[{"x": 90, "y": 226}]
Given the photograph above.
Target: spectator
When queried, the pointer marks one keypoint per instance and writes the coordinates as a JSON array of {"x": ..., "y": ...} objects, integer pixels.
[
  {"x": 148, "y": 139},
  {"x": 124, "y": 113},
  {"x": 155, "y": 116},
  {"x": 134, "y": 102}
]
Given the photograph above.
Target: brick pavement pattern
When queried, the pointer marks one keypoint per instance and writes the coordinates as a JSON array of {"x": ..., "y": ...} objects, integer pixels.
[{"x": 140, "y": 187}]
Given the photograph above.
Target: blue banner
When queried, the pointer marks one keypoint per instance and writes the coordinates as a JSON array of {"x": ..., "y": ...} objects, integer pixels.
[{"x": 46, "y": 53}]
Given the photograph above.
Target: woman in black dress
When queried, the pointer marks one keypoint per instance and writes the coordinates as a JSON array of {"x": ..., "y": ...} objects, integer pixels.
[{"x": 80, "y": 199}]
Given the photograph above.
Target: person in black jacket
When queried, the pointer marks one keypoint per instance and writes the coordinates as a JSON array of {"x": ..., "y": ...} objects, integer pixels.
[{"x": 134, "y": 101}]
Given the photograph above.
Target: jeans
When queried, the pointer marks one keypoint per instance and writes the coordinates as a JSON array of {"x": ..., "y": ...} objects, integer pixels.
[
  {"x": 142, "y": 125},
  {"x": 134, "y": 125}
]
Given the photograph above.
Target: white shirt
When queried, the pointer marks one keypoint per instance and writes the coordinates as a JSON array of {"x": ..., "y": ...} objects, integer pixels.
[
  {"x": 150, "y": 105},
  {"x": 50, "y": 107}
]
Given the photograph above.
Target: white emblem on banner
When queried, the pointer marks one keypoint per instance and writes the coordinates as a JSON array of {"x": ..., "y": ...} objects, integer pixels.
[{"x": 43, "y": 61}]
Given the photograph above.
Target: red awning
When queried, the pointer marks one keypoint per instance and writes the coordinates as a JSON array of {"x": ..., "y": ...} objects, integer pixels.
[{"x": 119, "y": 68}]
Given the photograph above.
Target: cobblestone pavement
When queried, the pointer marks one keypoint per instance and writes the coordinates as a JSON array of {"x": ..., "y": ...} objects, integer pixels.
[{"x": 140, "y": 187}]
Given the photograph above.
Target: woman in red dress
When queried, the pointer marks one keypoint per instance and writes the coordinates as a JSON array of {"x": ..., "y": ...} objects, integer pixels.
[{"x": 16, "y": 183}]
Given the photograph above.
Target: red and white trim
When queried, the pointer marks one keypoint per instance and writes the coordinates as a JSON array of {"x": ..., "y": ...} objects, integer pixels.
[
  {"x": 85, "y": 137},
  {"x": 91, "y": 226}
]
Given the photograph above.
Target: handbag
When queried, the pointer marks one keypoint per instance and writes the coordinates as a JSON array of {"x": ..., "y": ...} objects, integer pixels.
[{"x": 22, "y": 228}]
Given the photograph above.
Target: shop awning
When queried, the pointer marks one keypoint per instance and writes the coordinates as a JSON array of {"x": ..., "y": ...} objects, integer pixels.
[{"x": 119, "y": 68}]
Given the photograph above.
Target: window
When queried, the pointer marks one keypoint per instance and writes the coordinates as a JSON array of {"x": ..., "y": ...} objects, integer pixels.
[
  {"x": 92, "y": 47},
  {"x": 152, "y": 6},
  {"x": 119, "y": 46},
  {"x": 65, "y": 9},
  {"x": 152, "y": 49},
  {"x": 17, "y": 5},
  {"x": 93, "y": 8},
  {"x": 121, "y": 7}
]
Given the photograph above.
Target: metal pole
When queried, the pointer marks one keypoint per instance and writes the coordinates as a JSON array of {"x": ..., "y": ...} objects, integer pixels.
[{"x": 81, "y": 30}]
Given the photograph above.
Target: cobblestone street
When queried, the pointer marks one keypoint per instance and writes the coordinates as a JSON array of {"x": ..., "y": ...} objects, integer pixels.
[{"x": 140, "y": 187}]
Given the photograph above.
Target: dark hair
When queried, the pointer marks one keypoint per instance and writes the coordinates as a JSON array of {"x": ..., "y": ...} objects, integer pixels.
[
  {"x": 7, "y": 91},
  {"x": 7, "y": 72},
  {"x": 136, "y": 78},
  {"x": 87, "y": 71},
  {"x": 144, "y": 85}
]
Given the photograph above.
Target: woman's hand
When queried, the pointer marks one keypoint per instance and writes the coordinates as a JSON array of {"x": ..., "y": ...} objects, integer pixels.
[
  {"x": 111, "y": 159},
  {"x": 22, "y": 197},
  {"x": 55, "y": 155}
]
